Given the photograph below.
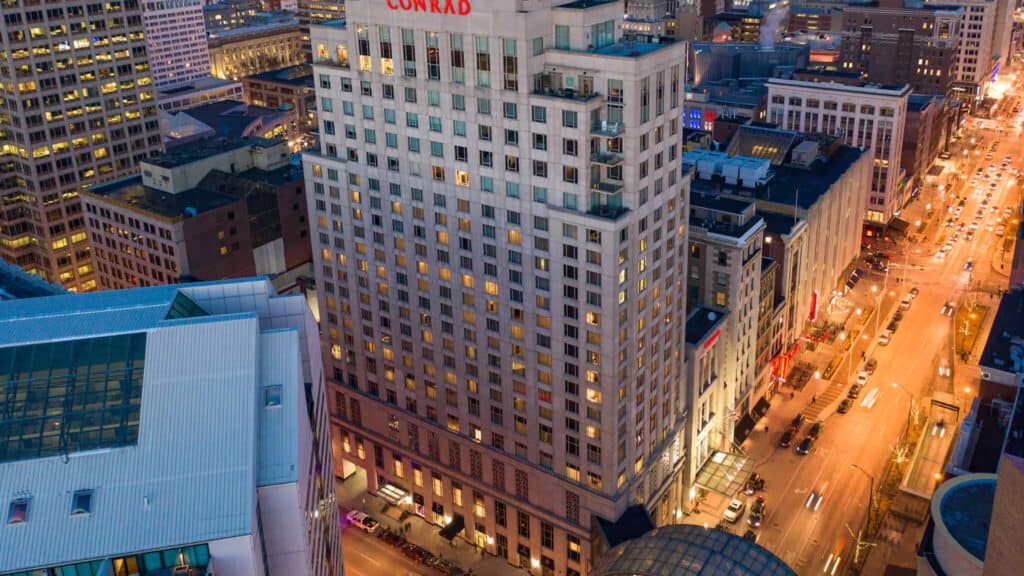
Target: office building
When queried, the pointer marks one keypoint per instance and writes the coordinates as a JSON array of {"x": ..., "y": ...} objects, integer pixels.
[
  {"x": 198, "y": 92},
  {"x": 54, "y": 140},
  {"x": 746, "y": 60},
  {"x": 210, "y": 210},
  {"x": 724, "y": 265},
  {"x": 930, "y": 122},
  {"x": 230, "y": 14},
  {"x": 870, "y": 116},
  {"x": 734, "y": 26},
  {"x": 983, "y": 46},
  {"x": 315, "y": 12},
  {"x": 501, "y": 223},
  {"x": 271, "y": 42},
  {"x": 175, "y": 41},
  {"x": 191, "y": 437},
  {"x": 894, "y": 44},
  {"x": 286, "y": 88}
]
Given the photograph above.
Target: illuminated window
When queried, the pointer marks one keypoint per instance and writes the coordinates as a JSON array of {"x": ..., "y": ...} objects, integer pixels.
[
  {"x": 462, "y": 178},
  {"x": 593, "y": 395}
]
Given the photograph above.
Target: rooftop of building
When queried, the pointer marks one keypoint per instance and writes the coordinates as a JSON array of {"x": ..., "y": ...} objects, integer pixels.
[
  {"x": 794, "y": 185},
  {"x": 1004, "y": 349},
  {"x": 962, "y": 508},
  {"x": 918, "y": 102},
  {"x": 702, "y": 322},
  {"x": 634, "y": 522},
  {"x": 585, "y": 4},
  {"x": 205, "y": 148},
  {"x": 15, "y": 283},
  {"x": 184, "y": 365},
  {"x": 759, "y": 141},
  {"x": 194, "y": 85},
  {"x": 861, "y": 88},
  {"x": 131, "y": 193},
  {"x": 231, "y": 118},
  {"x": 777, "y": 223},
  {"x": 272, "y": 25},
  {"x": 688, "y": 549},
  {"x": 632, "y": 49},
  {"x": 719, "y": 203},
  {"x": 300, "y": 75}
]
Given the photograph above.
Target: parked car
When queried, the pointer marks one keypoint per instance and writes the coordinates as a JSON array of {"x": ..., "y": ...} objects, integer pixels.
[
  {"x": 805, "y": 445},
  {"x": 862, "y": 377},
  {"x": 414, "y": 552},
  {"x": 871, "y": 365},
  {"x": 362, "y": 520},
  {"x": 844, "y": 406},
  {"x": 753, "y": 484},
  {"x": 854, "y": 392},
  {"x": 757, "y": 512},
  {"x": 898, "y": 316},
  {"x": 914, "y": 292},
  {"x": 948, "y": 309},
  {"x": 750, "y": 535},
  {"x": 893, "y": 326},
  {"x": 787, "y": 437},
  {"x": 815, "y": 430},
  {"x": 734, "y": 510},
  {"x": 884, "y": 338},
  {"x": 797, "y": 420},
  {"x": 905, "y": 303}
]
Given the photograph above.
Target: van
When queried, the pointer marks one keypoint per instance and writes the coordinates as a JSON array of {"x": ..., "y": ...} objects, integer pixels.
[{"x": 905, "y": 303}]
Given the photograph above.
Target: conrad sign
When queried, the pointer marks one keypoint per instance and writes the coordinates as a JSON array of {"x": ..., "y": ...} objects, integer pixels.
[{"x": 453, "y": 7}]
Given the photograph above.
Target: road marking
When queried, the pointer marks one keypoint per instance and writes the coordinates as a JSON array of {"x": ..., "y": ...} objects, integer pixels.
[{"x": 870, "y": 398}]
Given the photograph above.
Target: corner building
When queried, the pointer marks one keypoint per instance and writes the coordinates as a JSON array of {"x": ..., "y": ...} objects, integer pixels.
[{"x": 500, "y": 233}]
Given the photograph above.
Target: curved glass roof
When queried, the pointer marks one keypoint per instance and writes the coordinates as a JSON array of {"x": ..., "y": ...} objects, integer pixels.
[{"x": 690, "y": 550}]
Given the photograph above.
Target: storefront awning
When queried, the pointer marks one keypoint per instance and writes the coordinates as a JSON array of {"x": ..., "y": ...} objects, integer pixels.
[
  {"x": 743, "y": 428},
  {"x": 899, "y": 225},
  {"x": 452, "y": 529},
  {"x": 391, "y": 494},
  {"x": 725, "y": 473}
]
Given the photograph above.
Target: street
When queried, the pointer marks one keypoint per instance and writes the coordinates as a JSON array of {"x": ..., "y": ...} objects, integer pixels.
[
  {"x": 854, "y": 448},
  {"x": 367, "y": 555}
]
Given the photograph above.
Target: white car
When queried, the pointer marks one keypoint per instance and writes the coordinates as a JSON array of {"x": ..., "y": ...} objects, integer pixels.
[
  {"x": 362, "y": 520},
  {"x": 940, "y": 255},
  {"x": 862, "y": 378},
  {"x": 814, "y": 500},
  {"x": 734, "y": 511},
  {"x": 948, "y": 309},
  {"x": 885, "y": 338}
]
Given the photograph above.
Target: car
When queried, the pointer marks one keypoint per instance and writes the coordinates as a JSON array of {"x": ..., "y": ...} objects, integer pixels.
[
  {"x": 969, "y": 265},
  {"x": 940, "y": 255},
  {"x": 1000, "y": 231},
  {"x": 362, "y": 520},
  {"x": 787, "y": 437},
  {"x": 884, "y": 338},
  {"x": 898, "y": 316},
  {"x": 948, "y": 309},
  {"x": 862, "y": 377},
  {"x": 870, "y": 365},
  {"x": 945, "y": 371},
  {"x": 813, "y": 501},
  {"x": 414, "y": 552},
  {"x": 734, "y": 510},
  {"x": 757, "y": 512},
  {"x": 844, "y": 406},
  {"x": 804, "y": 447},
  {"x": 815, "y": 430},
  {"x": 753, "y": 484},
  {"x": 893, "y": 326},
  {"x": 750, "y": 535},
  {"x": 914, "y": 292},
  {"x": 854, "y": 392},
  {"x": 797, "y": 420}
]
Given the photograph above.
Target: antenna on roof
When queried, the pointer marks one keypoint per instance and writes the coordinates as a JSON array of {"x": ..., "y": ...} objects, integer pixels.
[{"x": 796, "y": 207}]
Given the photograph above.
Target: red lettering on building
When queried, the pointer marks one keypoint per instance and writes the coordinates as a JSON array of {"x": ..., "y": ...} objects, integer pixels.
[
  {"x": 454, "y": 7},
  {"x": 714, "y": 337}
]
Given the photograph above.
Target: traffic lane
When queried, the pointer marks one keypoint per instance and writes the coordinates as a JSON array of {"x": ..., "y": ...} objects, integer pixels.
[{"x": 367, "y": 555}]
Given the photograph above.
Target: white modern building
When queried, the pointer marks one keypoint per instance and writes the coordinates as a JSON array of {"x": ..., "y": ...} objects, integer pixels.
[
  {"x": 169, "y": 430},
  {"x": 501, "y": 232},
  {"x": 175, "y": 40},
  {"x": 869, "y": 116}
]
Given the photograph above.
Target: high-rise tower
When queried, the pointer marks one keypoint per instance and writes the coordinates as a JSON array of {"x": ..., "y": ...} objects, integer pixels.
[
  {"x": 500, "y": 232},
  {"x": 76, "y": 107}
]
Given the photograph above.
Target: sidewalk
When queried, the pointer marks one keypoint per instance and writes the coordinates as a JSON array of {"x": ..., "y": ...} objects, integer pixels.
[{"x": 352, "y": 495}]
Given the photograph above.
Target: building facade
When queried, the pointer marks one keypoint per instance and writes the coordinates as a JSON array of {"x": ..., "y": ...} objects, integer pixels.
[
  {"x": 242, "y": 362},
  {"x": 315, "y": 12},
  {"x": 175, "y": 41},
  {"x": 867, "y": 116},
  {"x": 894, "y": 44},
  {"x": 54, "y": 139},
  {"x": 198, "y": 92},
  {"x": 212, "y": 210},
  {"x": 501, "y": 226},
  {"x": 250, "y": 50},
  {"x": 983, "y": 47},
  {"x": 290, "y": 87}
]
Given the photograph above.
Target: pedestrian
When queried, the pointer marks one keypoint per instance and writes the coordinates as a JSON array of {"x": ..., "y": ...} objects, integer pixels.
[
  {"x": 792, "y": 394},
  {"x": 814, "y": 399}
]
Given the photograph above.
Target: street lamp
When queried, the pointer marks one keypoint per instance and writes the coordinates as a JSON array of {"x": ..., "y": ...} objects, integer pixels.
[
  {"x": 912, "y": 409},
  {"x": 860, "y": 544}
]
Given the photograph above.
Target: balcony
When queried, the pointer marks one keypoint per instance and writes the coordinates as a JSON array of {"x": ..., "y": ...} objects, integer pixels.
[
  {"x": 558, "y": 85},
  {"x": 606, "y": 205},
  {"x": 605, "y": 186},
  {"x": 607, "y": 129},
  {"x": 606, "y": 158}
]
